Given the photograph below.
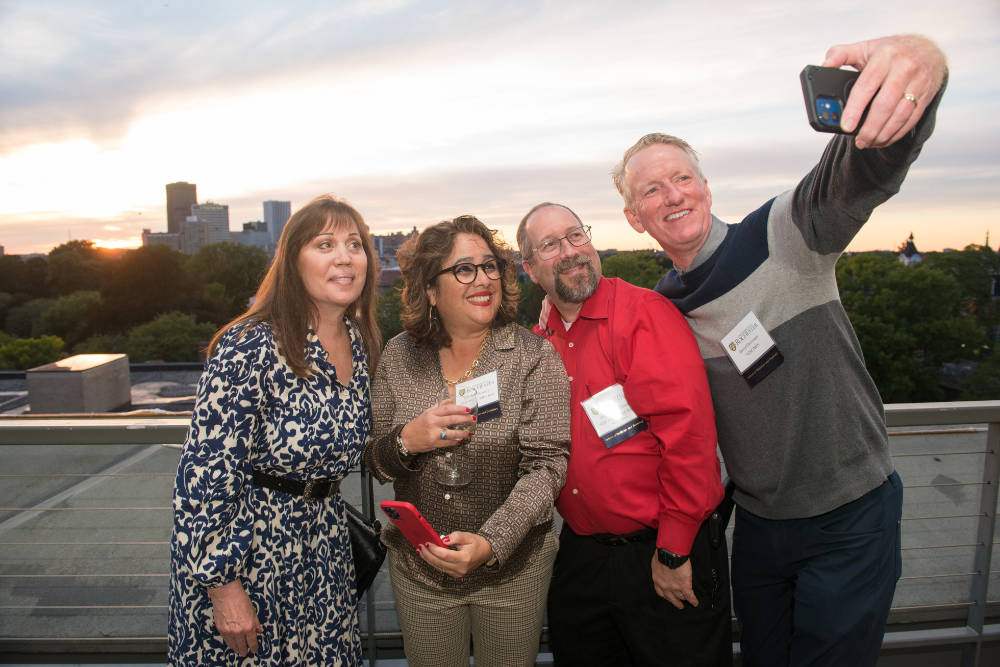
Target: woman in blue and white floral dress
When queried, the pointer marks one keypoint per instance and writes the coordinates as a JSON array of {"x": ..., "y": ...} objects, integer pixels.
[{"x": 261, "y": 566}]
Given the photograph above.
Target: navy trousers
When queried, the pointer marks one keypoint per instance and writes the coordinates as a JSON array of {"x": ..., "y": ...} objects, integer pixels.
[{"x": 817, "y": 591}]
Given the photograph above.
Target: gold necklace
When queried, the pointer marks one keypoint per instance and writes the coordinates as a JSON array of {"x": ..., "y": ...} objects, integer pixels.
[{"x": 475, "y": 362}]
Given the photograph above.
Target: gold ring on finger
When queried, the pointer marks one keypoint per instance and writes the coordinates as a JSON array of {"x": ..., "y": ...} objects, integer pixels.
[{"x": 910, "y": 97}]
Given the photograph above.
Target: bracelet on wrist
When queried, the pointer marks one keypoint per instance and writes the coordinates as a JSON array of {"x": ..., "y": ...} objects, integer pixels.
[{"x": 400, "y": 447}]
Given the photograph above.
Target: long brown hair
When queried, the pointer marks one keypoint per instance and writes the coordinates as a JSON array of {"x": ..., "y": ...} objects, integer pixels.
[
  {"x": 421, "y": 258},
  {"x": 282, "y": 300}
]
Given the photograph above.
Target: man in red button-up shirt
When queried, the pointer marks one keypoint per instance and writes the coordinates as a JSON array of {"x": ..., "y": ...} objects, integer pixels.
[{"x": 642, "y": 572}]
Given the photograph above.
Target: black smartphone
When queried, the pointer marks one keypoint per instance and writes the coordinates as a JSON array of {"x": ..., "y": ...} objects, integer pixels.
[{"x": 825, "y": 90}]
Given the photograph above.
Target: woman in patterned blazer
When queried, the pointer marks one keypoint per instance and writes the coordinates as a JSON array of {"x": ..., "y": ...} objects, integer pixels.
[
  {"x": 261, "y": 567},
  {"x": 459, "y": 305}
]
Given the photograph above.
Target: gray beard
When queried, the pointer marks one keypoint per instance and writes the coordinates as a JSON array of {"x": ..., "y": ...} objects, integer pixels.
[{"x": 583, "y": 289}]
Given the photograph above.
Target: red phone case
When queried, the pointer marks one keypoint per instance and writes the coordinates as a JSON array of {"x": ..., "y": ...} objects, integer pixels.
[{"x": 412, "y": 524}]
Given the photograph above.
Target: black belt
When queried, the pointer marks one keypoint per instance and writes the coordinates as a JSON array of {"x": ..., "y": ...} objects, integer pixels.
[
  {"x": 313, "y": 489},
  {"x": 609, "y": 539}
]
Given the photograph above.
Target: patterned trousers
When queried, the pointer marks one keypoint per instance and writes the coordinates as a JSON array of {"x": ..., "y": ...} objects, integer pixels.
[{"x": 504, "y": 620}]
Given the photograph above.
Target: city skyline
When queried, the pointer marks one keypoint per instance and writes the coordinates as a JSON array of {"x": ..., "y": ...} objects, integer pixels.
[{"x": 417, "y": 112}]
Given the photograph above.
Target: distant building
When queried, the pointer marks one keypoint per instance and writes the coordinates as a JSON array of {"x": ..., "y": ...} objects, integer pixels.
[
  {"x": 908, "y": 253},
  {"x": 207, "y": 224},
  {"x": 276, "y": 214},
  {"x": 254, "y": 234},
  {"x": 386, "y": 245},
  {"x": 172, "y": 241},
  {"x": 181, "y": 196}
]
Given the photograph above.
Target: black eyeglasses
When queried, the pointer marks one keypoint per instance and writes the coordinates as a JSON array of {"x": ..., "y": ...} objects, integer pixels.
[
  {"x": 466, "y": 272},
  {"x": 549, "y": 248}
]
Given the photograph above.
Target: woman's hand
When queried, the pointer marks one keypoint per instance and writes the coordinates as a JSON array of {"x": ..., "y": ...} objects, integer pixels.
[
  {"x": 423, "y": 434},
  {"x": 235, "y": 617},
  {"x": 470, "y": 551}
]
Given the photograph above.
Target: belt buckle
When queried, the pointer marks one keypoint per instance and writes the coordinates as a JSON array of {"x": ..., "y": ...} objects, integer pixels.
[{"x": 307, "y": 492}]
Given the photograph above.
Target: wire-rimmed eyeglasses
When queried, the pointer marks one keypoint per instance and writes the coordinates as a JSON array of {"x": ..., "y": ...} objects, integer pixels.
[
  {"x": 466, "y": 272},
  {"x": 549, "y": 248}
]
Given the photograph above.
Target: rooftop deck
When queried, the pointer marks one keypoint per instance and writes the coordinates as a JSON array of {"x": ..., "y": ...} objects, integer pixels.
[{"x": 85, "y": 523}]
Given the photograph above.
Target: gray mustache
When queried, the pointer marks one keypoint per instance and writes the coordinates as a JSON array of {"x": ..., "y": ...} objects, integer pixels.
[{"x": 571, "y": 263}]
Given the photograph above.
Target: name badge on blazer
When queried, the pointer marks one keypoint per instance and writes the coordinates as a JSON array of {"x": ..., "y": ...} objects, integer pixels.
[
  {"x": 488, "y": 393},
  {"x": 752, "y": 350},
  {"x": 612, "y": 416}
]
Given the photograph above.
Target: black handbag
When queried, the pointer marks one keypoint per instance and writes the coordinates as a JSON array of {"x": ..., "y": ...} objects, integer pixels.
[{"x": 366, "y": 547}]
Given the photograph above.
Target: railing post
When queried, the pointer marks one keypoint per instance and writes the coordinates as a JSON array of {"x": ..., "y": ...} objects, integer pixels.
[
  {"x": 368, "y": 508},
  {"x": 984, "y": 549}
]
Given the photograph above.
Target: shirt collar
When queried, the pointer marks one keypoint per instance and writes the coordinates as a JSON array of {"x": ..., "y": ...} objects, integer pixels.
[{"x": 597, "y": 307}]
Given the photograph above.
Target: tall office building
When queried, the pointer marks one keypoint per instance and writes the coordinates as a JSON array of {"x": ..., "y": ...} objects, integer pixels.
[
  {"x": 181, "y": 196},
  {"x": 208, "y": 223},
  {"x": 276, "y": 214}
]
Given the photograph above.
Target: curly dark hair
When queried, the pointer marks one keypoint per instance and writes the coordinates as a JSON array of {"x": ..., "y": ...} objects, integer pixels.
[{"x": 421, "y": 258}]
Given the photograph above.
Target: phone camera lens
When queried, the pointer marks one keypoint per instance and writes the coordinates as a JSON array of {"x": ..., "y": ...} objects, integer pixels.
[{"x": 393, "y": 514}]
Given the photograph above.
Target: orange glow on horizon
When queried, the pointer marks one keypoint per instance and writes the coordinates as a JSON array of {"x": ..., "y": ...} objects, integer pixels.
[{"x": 118, "y": 244}]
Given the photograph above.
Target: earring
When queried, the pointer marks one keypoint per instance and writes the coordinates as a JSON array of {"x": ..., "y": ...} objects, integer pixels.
[{"x": 430, "y": 312}]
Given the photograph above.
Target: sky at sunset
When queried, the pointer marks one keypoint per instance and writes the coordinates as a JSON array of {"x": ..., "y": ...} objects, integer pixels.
[{"x": 420, "y": 111}]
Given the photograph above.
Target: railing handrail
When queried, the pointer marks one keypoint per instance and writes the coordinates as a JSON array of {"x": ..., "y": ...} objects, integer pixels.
[
  {"x": 145, "y": 427},
  {"x": 154, "y": 427}
]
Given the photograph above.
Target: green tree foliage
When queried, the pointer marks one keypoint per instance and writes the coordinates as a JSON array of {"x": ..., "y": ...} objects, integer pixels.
[
  {"x": 7, "y": 301},
  {"x": 35, "y": 275},
  {"x": 983, "y": 383},
  {"x": 25, "y": 321},
  {"x": 24, "y": 278},
  {"x": 12, "y": 274},
  {"x": 530, "y": 303},
  {"x": 146, "y": 282},
  {"x": 25, "y": 353},
  {"x": 169, "y": 337},
  {"x": 76, "y": 266},
  {"x": 68, "y": 315},
  {"x": 973, "y": 268},
  {"x": 643, "y": 268},
  {"x": 236, "y": 268},
  {"x": 909, "y": 322},
  {"x": 109, "y": 343},
  {"x": 388, "y": 309}
]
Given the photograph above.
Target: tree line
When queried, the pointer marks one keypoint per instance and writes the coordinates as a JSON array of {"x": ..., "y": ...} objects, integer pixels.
[{"x": 928, "y": 331}]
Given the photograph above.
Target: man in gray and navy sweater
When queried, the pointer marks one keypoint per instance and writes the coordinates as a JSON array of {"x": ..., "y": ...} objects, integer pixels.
[{"x": 816, "y": 552}]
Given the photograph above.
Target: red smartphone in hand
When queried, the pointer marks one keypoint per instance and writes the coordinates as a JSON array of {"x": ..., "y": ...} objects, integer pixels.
[{"x": 411, "y": 523}]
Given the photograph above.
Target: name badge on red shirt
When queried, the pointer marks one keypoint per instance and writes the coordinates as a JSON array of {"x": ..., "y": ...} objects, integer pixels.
[{"x": 612, "y": 416}]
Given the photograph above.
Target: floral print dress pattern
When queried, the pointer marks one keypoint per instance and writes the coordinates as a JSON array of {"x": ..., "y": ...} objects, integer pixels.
[{"x": 293, "y": 555}]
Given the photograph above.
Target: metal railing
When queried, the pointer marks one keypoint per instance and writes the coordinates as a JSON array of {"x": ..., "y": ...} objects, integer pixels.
[{"x": 943, "y": 599}]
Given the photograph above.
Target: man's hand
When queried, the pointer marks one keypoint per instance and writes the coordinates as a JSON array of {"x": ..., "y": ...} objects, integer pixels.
[
  {"x": 899, "y": 75},
  {"x": 235, "y": 618},
  {"x": 543, "y": 314},
  {"x": 674, "y": 586},
  {"x": 470, "y": 552}
]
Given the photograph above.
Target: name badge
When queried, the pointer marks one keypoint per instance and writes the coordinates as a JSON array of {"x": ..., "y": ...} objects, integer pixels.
[
  {"x": 488, "y": 393},
  {"x": 752, "y": 350},
  {"x": 611, "y": 415}
]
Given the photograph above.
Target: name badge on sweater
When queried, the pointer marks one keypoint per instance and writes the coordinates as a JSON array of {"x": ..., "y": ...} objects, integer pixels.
[
  {"x": 611, "y": 415},
  {"x": 487, "y": 392},
  {"x": 752, "y": 350}
]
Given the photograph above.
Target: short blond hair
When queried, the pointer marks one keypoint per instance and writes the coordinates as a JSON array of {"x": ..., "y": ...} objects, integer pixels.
[{"x": 652, "y": 139}]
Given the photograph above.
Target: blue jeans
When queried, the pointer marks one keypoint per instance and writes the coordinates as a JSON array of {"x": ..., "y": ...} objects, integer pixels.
[{"x": 817, "y": 591}]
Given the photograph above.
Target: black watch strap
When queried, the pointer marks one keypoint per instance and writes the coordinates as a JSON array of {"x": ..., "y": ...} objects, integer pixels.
[{"x": 670, "y": 559}]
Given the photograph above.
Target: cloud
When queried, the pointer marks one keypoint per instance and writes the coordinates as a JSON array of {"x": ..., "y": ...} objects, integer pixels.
[{"x": 432, "y": 108}]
